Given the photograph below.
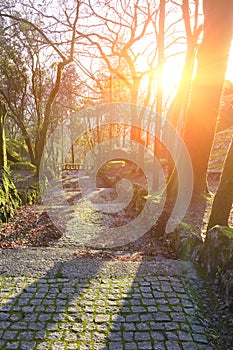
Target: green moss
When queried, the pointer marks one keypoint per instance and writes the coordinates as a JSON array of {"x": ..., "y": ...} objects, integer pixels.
[
  {"x": 186, "y": 242},
  {"x": 9, "y": 198},
  {"x": 225, "y": 231},
  {"x": 187, "y": 227}
]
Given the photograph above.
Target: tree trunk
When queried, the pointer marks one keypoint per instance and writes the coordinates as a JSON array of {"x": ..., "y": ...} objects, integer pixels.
[
  {"x": 207, "y": 87},
  {"x": 3, "y": 155},
  {"x": 224, "y": 197},
  {"x": 42, "y": 135},
  {"x": 9, "y": 199}
]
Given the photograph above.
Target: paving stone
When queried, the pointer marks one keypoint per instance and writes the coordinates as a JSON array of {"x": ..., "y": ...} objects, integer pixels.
[
  {"x": 44, "y": 317},
  {"x": 144, "y": 346},
  {"x": 147, "y": 302},
  {"x": 43, "y": 345},
  {"x": 98, "y": 337},
  {"x": 115, "y": 336},
  {"x": 71, "y": 346},
  {"x": 157, "y": 335},
  {"x": 146, "y": 317},
  {"x": 102, "y": 318},
  {"x": 173, "y": 345},
  {"x": 131, "y": 346},
  {"x": 9, "y": 335},
  {"x": 171, "y": 326},
  {"x": 13, "y": 345},
  {"x": 85, "y": 337},
  {"x": 146, "y": 312},
  {"x": 25, "y": 335},
  {"x": 4, "y": 316},
  {"x": 117, "y": 326},
  {"x": 178, "y": 317},
  {"x": 171, "y": 336},
  {"x": 40, "y": 335},
  {"x": 55, "y": 335},
  {"x": 128, "y": 336},
  {"x": 159, "y": 346},
  {"x": 2, "y": 344},
  {"x": 200, "y": 338},
  {"x": 37, "y": 326},
  {"x": 165, "y": 308},
  {"x": 139, "y": 309},
  {"x": 161, "y": 317},
  {"x": 132, "y": 318},
  {"x": 197, "y": 328},
  {"x": 140, "y": 336},
  {"x": 28, "y": 309},
  {"x": 27, "y": 345},
  {"x": 143, "y": 326},
  {"x": 189, "y": 346},
  {"x": 58, "y": 346},
  {"x": 4, "y": 325},
  {"x": 78, "y": 328},
  {"x": 115, "y": 346},
  {"x": 186, "y": 336},
  {"x": 19, "y": 325}
]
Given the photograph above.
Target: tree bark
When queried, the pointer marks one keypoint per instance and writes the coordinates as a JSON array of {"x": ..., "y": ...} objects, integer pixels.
[
  {"x": 3, "y": 155},
  {"x": 207, "y": 87},
  {"x": 224, "y": 197},
  {"x": 41, "y": 140},
  {"x": 9, "y": 199}
]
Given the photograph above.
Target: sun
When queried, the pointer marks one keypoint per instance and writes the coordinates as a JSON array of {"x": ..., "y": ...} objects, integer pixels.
[{"x": 172, "y": 73}]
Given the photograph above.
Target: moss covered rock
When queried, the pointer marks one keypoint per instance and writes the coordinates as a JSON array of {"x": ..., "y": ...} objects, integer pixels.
[
  {"x": 16, "y": 150},
  {"x": 225, "y": 284},
  {"x": 30, "y": 195},
  {"x": 186, "y": 241},
  {"x": 217, "y": 250},
  {"x": 9, "y": 198}
]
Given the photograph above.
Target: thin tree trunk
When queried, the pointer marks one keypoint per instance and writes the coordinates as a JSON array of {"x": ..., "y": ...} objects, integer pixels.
[
  {"x": 41, "y": 140},
  {"x": 3, "y": 154},
  {"x": 224, "y": 196}
]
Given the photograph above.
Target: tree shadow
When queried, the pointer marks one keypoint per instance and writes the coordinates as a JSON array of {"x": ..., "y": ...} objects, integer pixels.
[
  {"x": 97, "y": 304},
  {"x": 85, "y": 303},
  {"x": 47, "y": 308}
]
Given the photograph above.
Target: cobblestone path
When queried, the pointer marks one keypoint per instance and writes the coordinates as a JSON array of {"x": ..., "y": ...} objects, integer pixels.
[{"x": 65, "y": 303}]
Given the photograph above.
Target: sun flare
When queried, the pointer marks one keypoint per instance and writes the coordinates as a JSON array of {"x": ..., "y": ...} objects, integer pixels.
[{"x": 172, "y": 74}]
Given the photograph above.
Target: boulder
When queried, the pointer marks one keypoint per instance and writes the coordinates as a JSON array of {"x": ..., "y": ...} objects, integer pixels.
[
  {"x": 186, "y": 241},
  {"x": 225, "y": 284},
  {"x": 217, "y": 250}
]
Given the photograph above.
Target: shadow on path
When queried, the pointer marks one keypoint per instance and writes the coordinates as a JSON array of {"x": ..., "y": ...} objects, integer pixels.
[
  {"x": 96, "y": 304},
  {"x": 40, "y": 310}
]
